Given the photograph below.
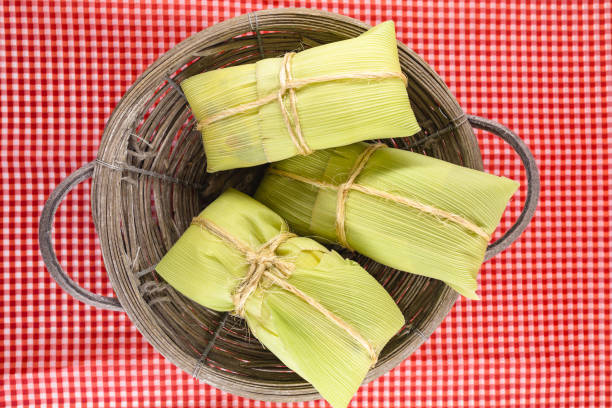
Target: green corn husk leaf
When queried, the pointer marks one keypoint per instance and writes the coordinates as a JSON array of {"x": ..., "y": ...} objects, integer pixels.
[
  {"x": 328, "y": 112},
  {"x": 208, "y": 270},
  {"x": 391, "y": 233}
]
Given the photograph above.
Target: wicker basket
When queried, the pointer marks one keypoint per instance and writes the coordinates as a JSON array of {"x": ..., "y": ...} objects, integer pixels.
[{"x": 149, "y": 181}]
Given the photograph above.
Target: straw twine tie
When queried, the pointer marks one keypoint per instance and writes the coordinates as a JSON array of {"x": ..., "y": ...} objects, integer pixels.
[
  {"x": 264, "y": 262},
  {"x": 343, "y": 190},
  {"x": 288, "y": 108}
]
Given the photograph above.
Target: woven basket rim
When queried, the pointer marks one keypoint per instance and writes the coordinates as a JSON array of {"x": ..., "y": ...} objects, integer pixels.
[{"x": 106, "y": 189}]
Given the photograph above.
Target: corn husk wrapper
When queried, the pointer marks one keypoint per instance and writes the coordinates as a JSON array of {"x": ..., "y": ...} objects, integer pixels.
[
  {"x": 207, "y": 270},
  {"x": 391, "y": 233},
  {"x": 328, "y": 112}
]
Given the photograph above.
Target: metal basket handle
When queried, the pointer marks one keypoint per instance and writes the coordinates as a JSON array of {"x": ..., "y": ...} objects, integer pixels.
[
  {"x": 45, "y": 243},
  {"x": 533, "y": 182}
]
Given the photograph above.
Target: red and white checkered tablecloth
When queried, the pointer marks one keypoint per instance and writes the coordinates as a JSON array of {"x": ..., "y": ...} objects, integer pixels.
[{"x": 540, "y": 336}]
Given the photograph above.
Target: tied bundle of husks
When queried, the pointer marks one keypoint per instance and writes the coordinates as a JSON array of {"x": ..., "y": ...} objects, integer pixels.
[
  {"x": 405, "y": 210},
  {"x": 315, "y": 99},
  {"x": 323, "y": 316}
]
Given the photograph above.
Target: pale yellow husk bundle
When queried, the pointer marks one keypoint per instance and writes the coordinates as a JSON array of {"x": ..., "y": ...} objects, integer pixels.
[
  {"x": 315, "y": 99},
  {"x": 405, "y": 210},
  {"x": 323, "y": 316}
]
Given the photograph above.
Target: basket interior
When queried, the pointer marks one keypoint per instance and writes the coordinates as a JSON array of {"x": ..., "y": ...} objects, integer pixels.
[{"x": 164, "y": 184}]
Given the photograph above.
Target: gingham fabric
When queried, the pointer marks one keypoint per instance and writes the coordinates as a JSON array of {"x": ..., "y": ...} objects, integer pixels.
[{"x": 540, "y": 336}]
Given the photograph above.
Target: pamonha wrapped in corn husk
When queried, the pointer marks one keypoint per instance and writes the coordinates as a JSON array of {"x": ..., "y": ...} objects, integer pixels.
[
  {"x": 323, "y": 316},
  {"x": 315, "y": 99},
  {"x": 405, "y": 210}
]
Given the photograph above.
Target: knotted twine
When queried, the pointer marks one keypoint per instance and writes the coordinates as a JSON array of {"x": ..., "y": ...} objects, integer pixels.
[
  {"x": 264, "y": 262},
  {"x": 344, "y": 188},
  {"x": 289, "y": 85}
]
